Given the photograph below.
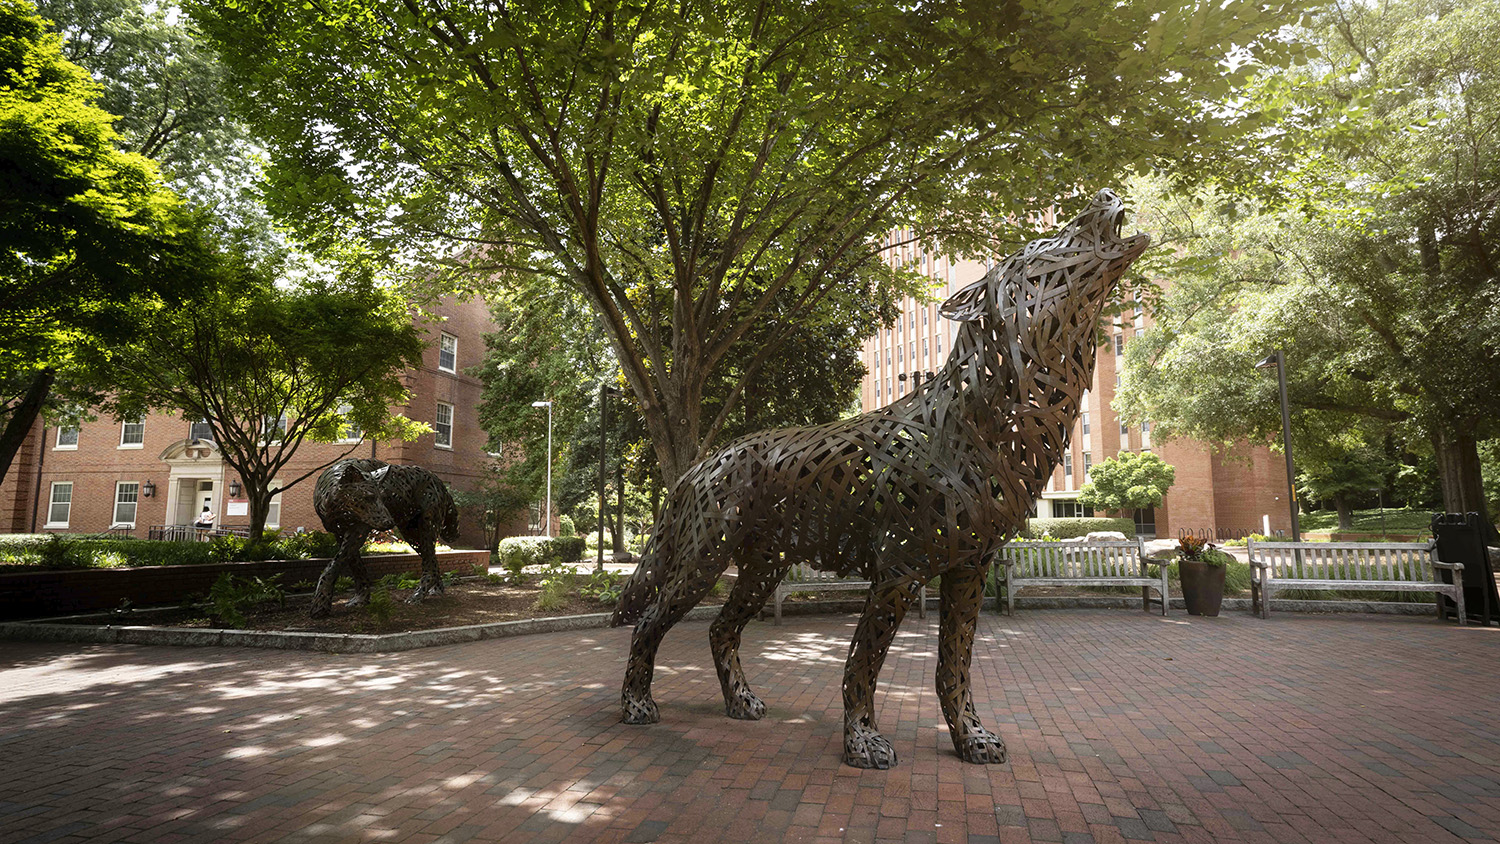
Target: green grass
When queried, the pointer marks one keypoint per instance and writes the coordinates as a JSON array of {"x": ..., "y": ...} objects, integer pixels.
[{"x": 1397, "y": 520}]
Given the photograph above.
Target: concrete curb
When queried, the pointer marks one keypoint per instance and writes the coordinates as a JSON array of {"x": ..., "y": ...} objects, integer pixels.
[
  {"x": 343, "y": 643},
  {"x": 359, "y": 643}
]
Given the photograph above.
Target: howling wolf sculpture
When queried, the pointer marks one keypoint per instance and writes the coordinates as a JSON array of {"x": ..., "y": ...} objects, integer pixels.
[
  {"x": 356, "y": 497},
  {"x": 929, "y": 485}
]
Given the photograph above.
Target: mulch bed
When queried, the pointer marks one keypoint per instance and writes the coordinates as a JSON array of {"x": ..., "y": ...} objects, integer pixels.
[{"x": 464, "y": 603}]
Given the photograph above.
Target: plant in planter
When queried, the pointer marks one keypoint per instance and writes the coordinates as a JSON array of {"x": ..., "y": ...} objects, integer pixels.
[{"x": 1201, "y": 567}]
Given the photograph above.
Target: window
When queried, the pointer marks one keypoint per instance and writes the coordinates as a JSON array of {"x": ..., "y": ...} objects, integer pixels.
[
  {"x": 273, "y": 512},
  {"x": 1124, "y": 428},
  {"x": 924, "y": 315},
  {"x": 1140, "y": 332},
  {"x": 62, "y": 504},
  {"x": 901, "y": 354},
  {"x": 877, "y": 392},
  {"x": 940, "y": 345},
  {"x": 444, "y": 425},
  {"x": 911, "y": 351},
  {"x": 448, "y": 353},
  {"x": 272, "y": 430},
  {"x": 126, "y": 493},
  {"x": 67, "y": 436},
  {"x": 201, "y": 430},
  {"x": 350, "y": 432},
  {"x": 1062, "y": 509},
  {"x": 1085, "y": 420},
  {"x": 534, "y": 518},
  {"x": 887, "y": 357},
  {"x": 1068, "y": 470},
  {"x": 1088, "y": 463},
  {"x": 1138, "y": 308},
  {"x": 1119, "y": 344},
  {"x": 132, "y": 433},
  {"x": 924, "y": 349}
]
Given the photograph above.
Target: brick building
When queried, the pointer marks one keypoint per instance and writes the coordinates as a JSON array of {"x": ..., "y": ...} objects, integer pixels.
[
  {"x": 134, "y": 475},
  {"x": 1242, "y": 491}
]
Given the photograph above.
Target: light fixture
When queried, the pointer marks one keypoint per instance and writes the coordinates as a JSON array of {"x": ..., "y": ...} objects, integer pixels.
[
  {"x": 148, "y": 489},
  {"x": 235, "y": 488}
]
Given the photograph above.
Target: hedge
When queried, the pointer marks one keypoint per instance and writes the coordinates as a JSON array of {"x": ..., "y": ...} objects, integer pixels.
[
  {"x": 517, "y": 552},
  {"x": 59, "y": 551},
  {"x": 1073, "y": 528}
]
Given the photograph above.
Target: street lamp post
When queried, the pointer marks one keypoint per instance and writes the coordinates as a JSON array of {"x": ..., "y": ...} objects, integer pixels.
[
  {"x": 605, "y": 391},
  {"x": 547, "y": 531},
  {"x": 1278, "y": 362}
]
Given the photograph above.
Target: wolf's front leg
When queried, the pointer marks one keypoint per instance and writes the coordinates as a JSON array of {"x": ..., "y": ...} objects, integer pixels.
[
  {"x": 671, "y": 604},
  {"x": 864, "y": 746},
  {"x": 963, "y": 592}
]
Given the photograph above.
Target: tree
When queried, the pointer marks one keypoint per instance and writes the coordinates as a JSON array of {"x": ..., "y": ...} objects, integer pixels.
[
  {"x": 685, "y": 167},
  {"x": 90, "y": 238},
  {"x": 269, "y": 366},
  {"x": 168, "y": 89},
  {"x": 1129, "y": 481},
  {"x": 1378, "y": 276}
]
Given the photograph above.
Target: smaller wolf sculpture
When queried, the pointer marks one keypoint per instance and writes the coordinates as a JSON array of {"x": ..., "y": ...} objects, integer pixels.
[{"x": 355, "y": 498}]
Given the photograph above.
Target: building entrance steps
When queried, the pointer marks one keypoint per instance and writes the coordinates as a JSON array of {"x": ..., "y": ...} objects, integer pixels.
[{"x": 1121, "y": 726}]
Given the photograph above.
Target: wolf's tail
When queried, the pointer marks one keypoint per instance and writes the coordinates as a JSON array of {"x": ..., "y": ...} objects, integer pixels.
[
  {"x": 644, "y": 584},
  {"x": 449, "y": 531}
]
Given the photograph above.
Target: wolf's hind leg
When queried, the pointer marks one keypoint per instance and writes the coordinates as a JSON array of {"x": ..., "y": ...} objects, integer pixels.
[
  {"x": 679, "y": 595},
  {"x": 754, "y": 585}
]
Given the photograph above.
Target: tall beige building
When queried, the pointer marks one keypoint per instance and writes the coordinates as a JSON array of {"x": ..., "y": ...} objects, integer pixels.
[{"x": 1243, "y": 491}]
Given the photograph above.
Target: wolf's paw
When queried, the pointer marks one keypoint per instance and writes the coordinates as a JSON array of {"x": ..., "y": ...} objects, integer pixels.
[
  {"x": 745, "y": 706},
  {"x": 865, "y": 748},
  {"x": 639, "y": 710},
  {"x": 981, "y": 747}
]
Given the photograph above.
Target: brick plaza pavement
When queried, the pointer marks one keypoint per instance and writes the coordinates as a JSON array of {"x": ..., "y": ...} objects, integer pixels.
[{"x": 1122, "y": 727}]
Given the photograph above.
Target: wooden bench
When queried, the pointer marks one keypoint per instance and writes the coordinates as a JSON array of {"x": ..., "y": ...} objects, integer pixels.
[
  {"x": 1382, "y": 566},
  {"x": 804, "y": 578},
  {"x": 1026, "y": 563}
]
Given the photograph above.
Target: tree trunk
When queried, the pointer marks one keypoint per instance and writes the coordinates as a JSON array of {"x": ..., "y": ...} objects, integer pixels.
[
  {"x": 1459, "y": 472},
  {"x": 1346, "y": 513},
  {"x": 22, "y": 418},
  {"x": 260, "y": 507}
]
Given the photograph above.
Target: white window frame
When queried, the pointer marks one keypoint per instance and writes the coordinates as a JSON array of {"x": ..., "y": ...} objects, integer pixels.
[
  {"x": 135, "y": 504},
  {"x": 281, "y": 424},
  {"x": 443, "y": 341},
  {"x": 204, "y": 423},
  {"x": 52, "y": 505},
  {"x": 125, "y": 426},
  {"x": 275, "y": 506},
  {"x": 59, "y": 445},
  {"x": 437, "y": 426}
]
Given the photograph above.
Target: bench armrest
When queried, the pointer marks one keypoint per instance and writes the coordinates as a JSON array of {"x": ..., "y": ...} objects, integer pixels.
[
  {"x": 1153, "y": 561},
  {"x": 1258, "y": 564},
  {"x": 1007, "y": 562},
  {"x": 1450, "y": 566}
]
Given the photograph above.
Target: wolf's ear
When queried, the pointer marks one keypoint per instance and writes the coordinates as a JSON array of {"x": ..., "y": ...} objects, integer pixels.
[
  {"x": 350, "y": 475},
  {"x": 968, "y": 303},
  {"x": 379, "y": 474}
]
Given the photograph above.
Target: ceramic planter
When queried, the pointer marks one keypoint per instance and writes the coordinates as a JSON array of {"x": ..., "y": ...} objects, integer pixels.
[{"x": 1202, "y": 587}]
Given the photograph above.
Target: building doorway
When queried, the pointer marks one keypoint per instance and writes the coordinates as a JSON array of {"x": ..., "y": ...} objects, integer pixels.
[{"x": 193, "y": 494}]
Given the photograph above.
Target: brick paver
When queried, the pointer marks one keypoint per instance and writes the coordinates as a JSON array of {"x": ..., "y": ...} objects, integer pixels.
[{"x": 1121, "y": 726}]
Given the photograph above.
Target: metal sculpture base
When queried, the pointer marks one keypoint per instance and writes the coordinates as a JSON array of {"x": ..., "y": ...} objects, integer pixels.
[
  {"x": 930, "y": 485},
  {"x": 355, "y": 498}
]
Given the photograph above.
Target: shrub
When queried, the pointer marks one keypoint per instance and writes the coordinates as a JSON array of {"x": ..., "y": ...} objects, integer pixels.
[
  {"x": 518, "y": 552},
  {"x": 605, "y": 587},
  {"x": 380, "y": 606},
  {"x": 565, "y": 526},
  {"x": 307, "y": 545},
  {"x": 1073, "y": 528},
  {"x": 231, "y": 597},
  {"x": 557, "y": 582}
]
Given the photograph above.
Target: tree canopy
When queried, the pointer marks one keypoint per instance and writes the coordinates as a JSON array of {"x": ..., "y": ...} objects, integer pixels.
[
  {"x": 1378, "y": 277},
  {"x": 1128, "y": 481},
  {"x": 689, "y": 168},
  {"x": 89, "y": 235}
]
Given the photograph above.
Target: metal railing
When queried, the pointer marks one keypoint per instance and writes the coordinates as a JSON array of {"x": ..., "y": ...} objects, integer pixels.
[
  {"x": 1221, "y": 534},
  {"x": 188, "y": 533}
]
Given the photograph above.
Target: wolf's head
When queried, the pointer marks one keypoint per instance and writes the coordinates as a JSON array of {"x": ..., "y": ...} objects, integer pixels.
[
  {"x": 347, "y": 497},
  {"x": 1062, "y": 278}
]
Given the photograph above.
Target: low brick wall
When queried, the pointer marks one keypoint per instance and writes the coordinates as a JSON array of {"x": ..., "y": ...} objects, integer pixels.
[{"x": 40, "y": 594}]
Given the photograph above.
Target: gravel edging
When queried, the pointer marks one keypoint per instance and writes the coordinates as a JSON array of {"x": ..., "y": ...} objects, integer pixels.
[{"x": 362, "y": 643}]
